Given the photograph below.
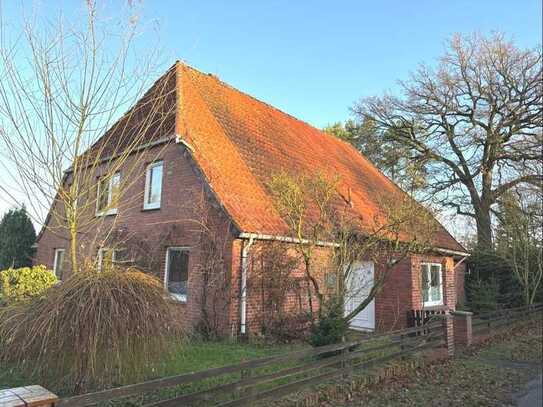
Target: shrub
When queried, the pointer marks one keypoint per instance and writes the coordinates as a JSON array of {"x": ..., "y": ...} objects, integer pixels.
[
  {"x": 25, "y": 283},
  {"x": 287, "y": 327},
  {"x": 483, "y": 295},
  {"x": 17, "y": 235},
  {"x": 93, "y": 330},
  {"x": 491, "y": 275},
  {"x": 331, "y": 327}
]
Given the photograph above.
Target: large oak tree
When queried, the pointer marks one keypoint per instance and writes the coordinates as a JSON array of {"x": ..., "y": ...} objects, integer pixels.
[{"x": 475, "y": 120}]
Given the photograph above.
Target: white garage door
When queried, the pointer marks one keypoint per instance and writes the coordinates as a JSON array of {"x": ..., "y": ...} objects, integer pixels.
[{"x": 359, "y": 284}]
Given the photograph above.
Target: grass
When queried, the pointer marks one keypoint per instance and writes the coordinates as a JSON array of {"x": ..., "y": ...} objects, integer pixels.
[
  {"x": 205, "y": 355},
  {"x": 188, "y": 357}
]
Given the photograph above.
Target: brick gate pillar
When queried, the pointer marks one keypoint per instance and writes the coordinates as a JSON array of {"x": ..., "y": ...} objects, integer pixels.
[
  {"x": 448, "y": 330},
  {"x": 463, "y": 334}
]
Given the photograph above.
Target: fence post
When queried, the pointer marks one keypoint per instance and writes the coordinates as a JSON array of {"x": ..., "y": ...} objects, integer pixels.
[
  {"x": 448, "y": 329},
  {"x": 463, "y": 331},
  {"x": 35, "y": 396}
]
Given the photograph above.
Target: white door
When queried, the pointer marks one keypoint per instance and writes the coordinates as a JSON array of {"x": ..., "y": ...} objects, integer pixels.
[{"x": 359, "y": 283}]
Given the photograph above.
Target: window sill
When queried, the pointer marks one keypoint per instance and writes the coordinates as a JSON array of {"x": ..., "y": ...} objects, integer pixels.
[
  {"x": 150, "y": 208},
  {"x": 433, "y": 306},
  {"x": 111, "y": 212},
  {"x": 179, "y": 298}
]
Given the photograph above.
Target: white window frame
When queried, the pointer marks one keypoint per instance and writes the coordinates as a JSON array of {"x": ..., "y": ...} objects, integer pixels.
[
  {"x": 57, "y": 251},
  {"x": 146, "y": 204},
  {"x": 108, "y": 210},
  {"x": 103, "y": 250},
  {"x": 431, "y": 303},
  {"x": 177, "y": 297}
]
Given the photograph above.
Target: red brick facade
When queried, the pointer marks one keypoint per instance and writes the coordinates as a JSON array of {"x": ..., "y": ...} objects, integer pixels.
[{"x": 170, "y": 226}]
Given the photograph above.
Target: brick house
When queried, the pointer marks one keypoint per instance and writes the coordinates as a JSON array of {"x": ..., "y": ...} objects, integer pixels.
[{"x": 216, "y": 148}]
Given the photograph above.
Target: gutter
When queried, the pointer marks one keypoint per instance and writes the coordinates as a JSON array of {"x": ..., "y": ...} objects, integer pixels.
[
  {"x": 280, "y": 238},
  {"x": 243, "y": 287},
  {"x": 452, "y": 252}
]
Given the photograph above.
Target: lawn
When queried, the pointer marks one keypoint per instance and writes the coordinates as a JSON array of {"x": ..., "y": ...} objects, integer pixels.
[{"x": 189, "y": 357}]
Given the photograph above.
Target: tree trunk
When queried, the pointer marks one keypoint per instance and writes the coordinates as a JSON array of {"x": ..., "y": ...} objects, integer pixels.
[
  {"x": 73, "y": 249},
  {"x": 484, "y": 228}
]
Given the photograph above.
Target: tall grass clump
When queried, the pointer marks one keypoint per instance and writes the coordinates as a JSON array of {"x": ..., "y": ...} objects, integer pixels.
[{"x": 92, "y": 331}]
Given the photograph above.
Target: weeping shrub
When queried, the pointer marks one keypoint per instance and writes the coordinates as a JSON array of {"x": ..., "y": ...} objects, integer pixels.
[
  {"x": 92, "y": 331},
  {"x": 25, "y": 283}
]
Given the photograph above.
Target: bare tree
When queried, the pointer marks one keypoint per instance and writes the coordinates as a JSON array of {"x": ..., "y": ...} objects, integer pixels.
[
  {"x": 305, "y": 204},
  {"x": 63, "y": 84},
  {"x": 318, "y": 216},
  {"x": 475, "y": 120},
  {"x": 406, "y": 228}
]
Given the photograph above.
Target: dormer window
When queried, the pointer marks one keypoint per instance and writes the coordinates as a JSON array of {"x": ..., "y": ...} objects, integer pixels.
[
  {"x": 108, "y": 194},
  {"x": 153, "y": 186}
]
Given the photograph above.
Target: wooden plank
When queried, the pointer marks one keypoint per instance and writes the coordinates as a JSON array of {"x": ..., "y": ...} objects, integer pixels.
[
  {"x": 306, "y": 367},
  {"x": 278, "y": 392},
  {"x": 129, "y": 390}
]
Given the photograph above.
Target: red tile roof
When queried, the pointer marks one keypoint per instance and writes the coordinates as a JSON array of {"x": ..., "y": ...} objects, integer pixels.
[{"x": 239, "y": 142}]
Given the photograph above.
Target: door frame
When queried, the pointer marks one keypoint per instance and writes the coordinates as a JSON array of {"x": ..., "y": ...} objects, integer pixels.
[{"x": 370, "y": 308}]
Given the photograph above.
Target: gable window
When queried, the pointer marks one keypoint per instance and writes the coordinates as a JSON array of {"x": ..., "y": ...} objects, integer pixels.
[
  {"x": 153, "y": 186},
  {"x": 177, "y": 272},
  {"x": 58, "y": 263},
  {"x": 432, "y": 284},
  {"x": 108, "y": 195}
]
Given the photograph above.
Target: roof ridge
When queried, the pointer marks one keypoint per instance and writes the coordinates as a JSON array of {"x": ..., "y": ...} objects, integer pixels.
[
  {"x": 322, "y": 132},
  {"x": 226, "y": 84}
]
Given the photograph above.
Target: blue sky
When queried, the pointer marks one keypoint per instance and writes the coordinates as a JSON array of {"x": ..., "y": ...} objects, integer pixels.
[{"x": 312, "y": 59}]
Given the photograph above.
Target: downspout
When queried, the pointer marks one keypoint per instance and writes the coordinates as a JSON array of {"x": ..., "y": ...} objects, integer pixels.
[{"x": 243, "y": 288}]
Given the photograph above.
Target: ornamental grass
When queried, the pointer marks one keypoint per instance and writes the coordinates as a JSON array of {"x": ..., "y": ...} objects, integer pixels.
[{"x": 94, "y": 330}]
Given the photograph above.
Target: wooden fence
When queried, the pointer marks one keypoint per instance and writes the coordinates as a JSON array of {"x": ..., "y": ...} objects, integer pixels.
[
  {"x": 270, "y": 377},
  {"x": 484, "y": 323},
  {"x": 420, "y": 317},
  {"x": 273, "y": 377}
]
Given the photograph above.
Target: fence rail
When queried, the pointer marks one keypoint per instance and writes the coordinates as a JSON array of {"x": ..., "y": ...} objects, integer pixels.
[
  {"x": 276, "y": 376},
  {"x": 487, "y": 321}
]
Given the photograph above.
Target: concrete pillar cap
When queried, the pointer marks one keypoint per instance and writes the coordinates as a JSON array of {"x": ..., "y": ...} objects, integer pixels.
[{"x": 462, "y": 313}]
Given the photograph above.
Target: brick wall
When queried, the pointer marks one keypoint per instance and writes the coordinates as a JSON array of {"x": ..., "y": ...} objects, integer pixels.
[
  {"x": 460, "y": 283},
  {"x": 296, "y": 299},
  {"x": 395, "y": 299},
  {"x": 399, "y": 295},
  {"x": 171, "y": 225}
]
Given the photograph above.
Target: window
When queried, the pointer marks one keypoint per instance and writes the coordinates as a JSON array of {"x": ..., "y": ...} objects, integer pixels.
[
  {"x": 177, "y": 272},
  {"x": 58, "y": 263},
  {"x": 107, "y": 257},
  {"x": 432, "y": 284},
  {"x": 153, "y": 186},
  {"x": 108, "y": 195}
]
